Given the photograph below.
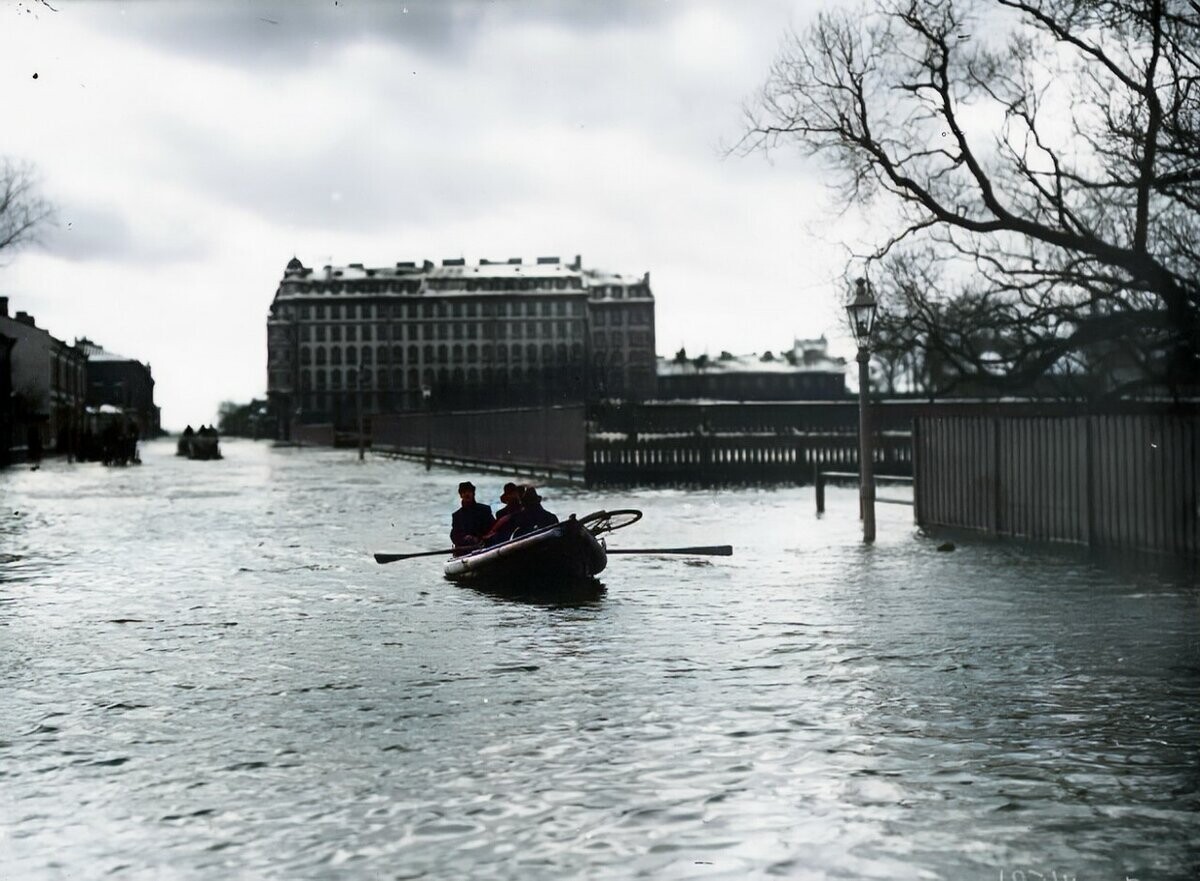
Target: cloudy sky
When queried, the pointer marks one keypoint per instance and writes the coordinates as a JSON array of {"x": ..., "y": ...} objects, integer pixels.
[{"x": 193, "y": 148}]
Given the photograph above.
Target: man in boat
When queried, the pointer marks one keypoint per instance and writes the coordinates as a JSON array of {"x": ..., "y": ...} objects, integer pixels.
[
  {"x": 471, "y": 520},
  {"x": 532, "y": 515}
]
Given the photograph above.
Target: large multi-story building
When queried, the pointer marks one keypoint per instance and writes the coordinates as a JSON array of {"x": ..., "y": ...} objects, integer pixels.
[{"x": 414, "y": 335}]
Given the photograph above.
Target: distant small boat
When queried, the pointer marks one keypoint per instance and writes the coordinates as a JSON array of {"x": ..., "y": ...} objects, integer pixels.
[
  {"x": 199, "y": 446},
  {"x": 566, "y": 550}
]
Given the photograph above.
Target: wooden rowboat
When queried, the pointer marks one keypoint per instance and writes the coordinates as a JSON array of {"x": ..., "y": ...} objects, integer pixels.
[{"x": 566, "y": 550}]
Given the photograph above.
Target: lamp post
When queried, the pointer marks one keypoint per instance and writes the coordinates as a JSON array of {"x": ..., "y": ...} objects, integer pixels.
[
  {"x": 427, "y": 396},
  {"x": 862, "y": 310},
  {"x": 358, "y": 390}
]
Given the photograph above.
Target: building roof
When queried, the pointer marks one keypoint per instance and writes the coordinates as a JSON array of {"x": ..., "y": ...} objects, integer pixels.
[
  {"x": 452, "y": 268},
  {"x": 96, "y": 352},
  {"x": 751, "y": 363}
]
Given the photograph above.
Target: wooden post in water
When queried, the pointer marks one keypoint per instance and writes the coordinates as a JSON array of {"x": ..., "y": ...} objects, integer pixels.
[{"x": 820, "y": 484}]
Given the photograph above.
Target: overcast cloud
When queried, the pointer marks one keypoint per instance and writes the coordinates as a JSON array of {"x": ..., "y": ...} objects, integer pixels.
[{"x": 193, "y": 148}]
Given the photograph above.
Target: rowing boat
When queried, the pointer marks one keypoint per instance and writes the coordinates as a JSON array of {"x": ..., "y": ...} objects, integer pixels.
[{"x": 566, "y": 550}]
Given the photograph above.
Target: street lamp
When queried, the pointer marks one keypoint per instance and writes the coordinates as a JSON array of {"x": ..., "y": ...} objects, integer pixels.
[
  {"x": 358, "y": 410},
  {"x": 427, "y": 396},
  {"x": 862, "y": 310}
]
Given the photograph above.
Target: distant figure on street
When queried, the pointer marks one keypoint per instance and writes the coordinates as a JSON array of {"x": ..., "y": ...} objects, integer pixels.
[
  {"x": 532, "y": 515},
  {"x": 502, "y": 528},
  {"x": 471, "y": 520}
]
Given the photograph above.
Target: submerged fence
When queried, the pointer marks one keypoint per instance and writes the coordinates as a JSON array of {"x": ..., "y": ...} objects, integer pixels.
[
  {"x": 545, "y": 440},
  {"x": 719, "y": 459},
  {"x": 1119, "y": 480}
]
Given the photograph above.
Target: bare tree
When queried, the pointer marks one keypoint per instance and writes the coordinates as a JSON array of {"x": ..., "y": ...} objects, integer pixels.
[
  {"x": 23, "y": 212},
  {"x": 1039, "y": 159}
]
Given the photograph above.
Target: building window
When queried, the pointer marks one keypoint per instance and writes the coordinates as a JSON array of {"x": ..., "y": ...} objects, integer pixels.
[
  {"x": 427, "y": 331},
  {"x": 305, "y": 333},
  {"x": 305, "y": 356},
  {"x": 335, "y": 333},
  {"x": 335, "y": 355},
  {"x": 366, "y": 333},
  {"x": 457, "y": 353},
  {"x": 367, "y": 355},
  {"x": 319, "y": 331},
  {"x": 320, "y": 356},
  {"x": 501, "y": 352},
  {"x": 429, "y": 354},
  {"x": 442, "y": 354},
  {"x": 320, "y": 312},
  {"x": 320, "y": 379},
  {"x": 458, "y": 331},
  {"x": 472, "y": 352},
  {"x": 397, "y": 378},
  {"x": 351, "y": 333},
  {"x": 397, "y": 354},
  {"x": 351, "y": 355},
  {"x": 486, "y": 352}
]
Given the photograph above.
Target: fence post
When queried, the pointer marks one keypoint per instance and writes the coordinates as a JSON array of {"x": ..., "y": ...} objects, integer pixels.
[{"x": 820, "y": 485}]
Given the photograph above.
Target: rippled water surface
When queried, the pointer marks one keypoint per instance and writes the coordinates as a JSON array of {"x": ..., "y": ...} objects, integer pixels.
[{"x": 204, "y": 675}]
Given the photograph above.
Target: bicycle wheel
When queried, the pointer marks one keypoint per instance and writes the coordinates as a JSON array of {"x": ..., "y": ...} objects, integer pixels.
[{"x": 610, "y": 521}]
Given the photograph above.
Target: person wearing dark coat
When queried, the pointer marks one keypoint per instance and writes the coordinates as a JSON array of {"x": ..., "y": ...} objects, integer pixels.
[
  {"x": 502, "y": 528},
  {"x": 532, "y": 515},
  {"x": 471, "y": 520}
]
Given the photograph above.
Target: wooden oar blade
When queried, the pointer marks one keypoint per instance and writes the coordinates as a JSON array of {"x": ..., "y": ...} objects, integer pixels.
[
  {"x": 708, "y": 550},
  {"x": 392, "y": 558}
]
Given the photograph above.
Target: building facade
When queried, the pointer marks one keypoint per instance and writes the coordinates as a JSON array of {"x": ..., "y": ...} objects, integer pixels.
[
  {"x": 121, "y": 382},
  {"x": 48, "y": 382},
  {"x": 418, "y": 335},
  {"x": 805, "y": 372}
]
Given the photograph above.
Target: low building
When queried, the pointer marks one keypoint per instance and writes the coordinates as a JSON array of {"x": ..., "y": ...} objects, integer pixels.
[
  {"x": 805, "y": 372},
  {"x": 458, "y": 334},
  {"x": 119, "y": 381},
  {"x": 48, "y": 380}
]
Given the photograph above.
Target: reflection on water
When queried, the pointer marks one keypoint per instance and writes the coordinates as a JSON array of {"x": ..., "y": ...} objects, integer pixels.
[{"x": 203, "y": 674}]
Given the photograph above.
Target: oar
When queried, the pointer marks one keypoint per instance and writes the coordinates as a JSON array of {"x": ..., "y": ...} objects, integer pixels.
[
  {"x": 392, "y": 558},
  {"x": 711, "y": 550}
]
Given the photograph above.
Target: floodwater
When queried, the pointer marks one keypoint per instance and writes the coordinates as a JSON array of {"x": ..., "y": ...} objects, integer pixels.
[{"x": 204, "y": 675}]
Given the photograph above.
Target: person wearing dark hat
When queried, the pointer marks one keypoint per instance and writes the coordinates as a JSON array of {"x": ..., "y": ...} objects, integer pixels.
[
  {"x": 502, "y": 528},
  {"x": 532, "y": 515},
  {"x": 510, "y": 498},
  {"x": 471, "y": 520}
]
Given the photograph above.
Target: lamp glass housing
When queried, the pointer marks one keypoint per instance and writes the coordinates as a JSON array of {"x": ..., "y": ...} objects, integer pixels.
[{"x": 862, "y": 311}]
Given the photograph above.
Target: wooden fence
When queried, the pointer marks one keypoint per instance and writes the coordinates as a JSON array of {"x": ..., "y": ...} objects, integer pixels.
[
  {"x": 1119, "y": 480},
  {"x": 719, "y": 459}
]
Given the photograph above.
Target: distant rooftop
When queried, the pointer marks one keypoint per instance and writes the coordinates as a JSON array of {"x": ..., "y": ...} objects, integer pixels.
[{"x": 96, "y": 352}]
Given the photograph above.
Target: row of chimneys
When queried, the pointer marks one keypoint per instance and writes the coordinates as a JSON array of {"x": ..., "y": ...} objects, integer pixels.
[
  {"x": 461, "y": 261},
  {"x": 22, "y": 317}
]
